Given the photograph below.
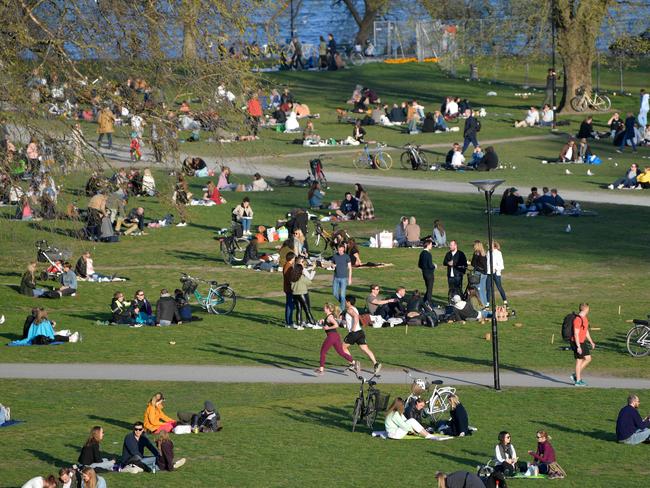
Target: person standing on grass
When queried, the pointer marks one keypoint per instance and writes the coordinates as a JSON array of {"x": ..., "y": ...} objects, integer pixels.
[
  {"x": 628, "y": 134},
  {"x": 470, "y": 132},
  {"x": 287, "y": 273},
  {"x": 581, "y": 344},
  {"x": 630, "y": 427},
  {"x": 495, "y": 274},
  {"x": 356, "y": 335},
  {"x": 644, "y": 108},
  {"x": 456, "y": 263},
  {"x": 426, "y": 264},
  {"x": 333, "y": 339},
  {"x": 551, "y": 77},
  {"x": 342, "y": 274}
]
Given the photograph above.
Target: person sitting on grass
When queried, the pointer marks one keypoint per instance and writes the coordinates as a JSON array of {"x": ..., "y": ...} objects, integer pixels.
[
  {"x": 400, "y": 231},
  {"x": 41, "y": 482},
  {"x": 259, "y": 184},
  {"x": 398, "y": 426},
  {"x": 511, "y": 202},
  {"x": 166, "y": 311},
  {"x": 455, "y": 159},
  {"x": 253, "y": 259},
  {"x": 90, "y": 479},
  {"x": 133, "y": 222},
  {"x": 224, "y": 180},
  {"x": 489, "y": 161},
  {"x": 412, "y": 233},
  {"x": 458, "y": 425},
  {"x": 353, "y": 252},
  {"x": 155, "y": 420},
  {"x": 212, "y": 193},
  {"x": 366, "y": 208},
  {"x": 41, "y": 332},
  {"x": 630, "y": 427},
  {"x": 464, "y": 311},
  {"x": 358, "y": 132},
  {"x": 587, "y": 129},
  {"x": 459, "y": 479},
  {"x": 121, "y": 310},
  {"x": 243, "y": 214},
  {"x": 68, "y": 478},
  {"x": 166, "y": 447},
  {"x": 569, "y": 153},
  {"x": 439, "y": 234},
  {"x": 531, "y": 120},
  {"x": 376, "y": 305},
  {"x": 629, "y": 180},
  {"x": 133, "y": 451},
  {"x": 544, "y": 455},
  {"x": 142, "y": 309},
  {"x": 546, "y": 119},
  {"x": 315, "y": 196},
  {"x": 415, "y": 408},
  {"x": 28, "y": 282},
  {"x": 207, "y": 420},
  {"x": 68, "y": 281},
  {"x": 506, "y": 460},
  {"x": 349, "y": 207},
  {"x": 183, "y": 306},
  {"x": 90, "y": 455}
]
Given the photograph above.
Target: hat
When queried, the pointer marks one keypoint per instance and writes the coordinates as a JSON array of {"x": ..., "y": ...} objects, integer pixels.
[
  {"x": 208, "y": 406},
  {"x": 455, "y": 298},
  {"x": 513, "y": 189}
]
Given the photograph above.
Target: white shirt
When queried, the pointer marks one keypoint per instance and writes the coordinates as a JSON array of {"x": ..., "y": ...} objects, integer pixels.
[
  {"x": 569, "y": 153},
  {"x": 645, "y": 103},
  {"x": 451, "y": 108},
  {"x": 457, "y": 160},
  {"x": 34, "y": 483},
  {"x": 349, "y": 321},
  {"x": 547, "y": 116},
  {"x": 498, "y": 457},
  {"x": 532, "y": 117},
  {"x": 498, "y": 262}
]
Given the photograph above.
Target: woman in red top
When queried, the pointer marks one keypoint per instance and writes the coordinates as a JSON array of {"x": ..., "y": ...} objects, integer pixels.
[
  {"x": 545, "y": 453},
  {"x": 213, "y": 194}
]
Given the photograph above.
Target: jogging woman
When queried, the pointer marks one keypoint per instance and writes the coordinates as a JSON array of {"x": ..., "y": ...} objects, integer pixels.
[{"x": 333, "y": 339}]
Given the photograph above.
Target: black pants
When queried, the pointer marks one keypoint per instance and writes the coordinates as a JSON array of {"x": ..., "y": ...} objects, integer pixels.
[
  {"x": 455, "y": 284},
  {"x": 300, "y": 303},
  {"x": 428, "y": 283}
]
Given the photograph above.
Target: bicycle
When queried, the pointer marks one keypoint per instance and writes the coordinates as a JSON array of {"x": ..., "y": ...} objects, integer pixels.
[
  {"x": 330, "y": 239},
  {"x": 366, "y": 408},
  {"x": 378, "y": 160},
  {"x": 438, "y": 402},
  {"x": 412, "y": 158},
  {"x": 233, "y": 246},
  {"x": 316, "y": 171},
  {"x": 638, "y": 339},
  {"x": 582, "y": 101},
  {"x": 220, "y": 299}
]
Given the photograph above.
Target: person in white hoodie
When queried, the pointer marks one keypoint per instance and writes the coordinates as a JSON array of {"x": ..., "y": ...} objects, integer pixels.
[
  {"x": 495, "y": 273},
  {"x": 644, "y": 108}
]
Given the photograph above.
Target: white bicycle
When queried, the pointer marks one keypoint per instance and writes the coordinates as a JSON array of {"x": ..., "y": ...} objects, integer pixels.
[{"x": 438, "y": 402}]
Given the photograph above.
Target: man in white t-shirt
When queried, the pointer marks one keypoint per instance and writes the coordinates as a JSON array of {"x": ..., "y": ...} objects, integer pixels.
[{"x": 356, "y": 334}]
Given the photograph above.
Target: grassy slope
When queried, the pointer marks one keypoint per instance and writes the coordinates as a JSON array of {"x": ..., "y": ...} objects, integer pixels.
[
  {"x": 291, "y": 435},
  {"x": 547, "y": 273}
]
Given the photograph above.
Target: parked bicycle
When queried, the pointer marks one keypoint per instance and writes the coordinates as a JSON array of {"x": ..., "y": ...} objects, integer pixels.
[
  {"x": 330, "y": 239},
  {"x": 220, "y": 299},
  {"x": 584, "y": 100},
  {"x": 316, "y": 171},
  {"x": 233, "y": 245},
  {"x": 366, "y": 407},
  {"x": 638, "y": 338},
  {"x": 438, "y": 402},
  {"x": 373, "y": 159},
  {"x": 413, "y": 158}
]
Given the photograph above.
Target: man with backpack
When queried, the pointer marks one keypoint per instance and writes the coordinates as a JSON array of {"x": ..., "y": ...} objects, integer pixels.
[
  {"x": 472, "y": 128},
  {"x": 428, "y": 268},
  {"x": 581, "y": 343}
]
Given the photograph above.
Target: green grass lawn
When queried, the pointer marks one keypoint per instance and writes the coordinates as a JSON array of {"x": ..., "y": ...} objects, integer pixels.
[
  {"x": 548, "y": 272},
  {"x": 282, "y": 435}
]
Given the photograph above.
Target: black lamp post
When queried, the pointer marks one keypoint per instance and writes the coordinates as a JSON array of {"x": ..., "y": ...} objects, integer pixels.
[
  {"x": 488, "y": 187},
  {"x": 293, "y": 31}
]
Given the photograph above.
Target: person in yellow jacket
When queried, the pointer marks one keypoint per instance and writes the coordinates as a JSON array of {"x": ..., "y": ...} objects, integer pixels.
[
  {"x": 105, "y": 122},
  {"x": 155, "y": 420},
  {"x": 643, "y": 179}
]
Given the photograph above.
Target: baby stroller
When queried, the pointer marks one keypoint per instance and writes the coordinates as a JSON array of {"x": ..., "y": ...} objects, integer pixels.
[
  {"x": 316, "y": 171},
  {"x": 53, "y": 255}
]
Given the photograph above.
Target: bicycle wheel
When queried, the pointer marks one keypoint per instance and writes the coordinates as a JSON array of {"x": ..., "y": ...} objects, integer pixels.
[
  {"x": 405, "y": 160},
  {"x": 371, "y": 410},
  {"x": 356, "y": 59},
  {"x": 424, "y": 164},
  {"x": 226, "y": 251},
  {"x": 579, "y": 104},
  {"x": 222, "y": 301},
  {"x": 360, "y": 161},
  {"x": 602, "y": 102},
  {"x": 383, "y": 161},
  {"x": 239, "y": 248},
  {"x": 636, "y": 341},
  {"x": 356, "y": 413}
]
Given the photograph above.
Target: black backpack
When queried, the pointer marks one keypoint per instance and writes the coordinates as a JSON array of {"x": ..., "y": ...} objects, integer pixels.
[
  {"x": 567, "y": 326},
  {"x": 477, "y": 124}
]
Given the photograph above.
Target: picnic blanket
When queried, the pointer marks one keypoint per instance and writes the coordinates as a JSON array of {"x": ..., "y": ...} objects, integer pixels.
[
  {"x": 11, "y": 344},
  {"x": 382, "y": 434},
  {"x": 10, "y": 423},
  {"x": 374, "y": 265}
]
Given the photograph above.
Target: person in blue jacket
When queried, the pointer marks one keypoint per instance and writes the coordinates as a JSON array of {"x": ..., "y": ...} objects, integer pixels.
[{"x": 630, "y": 427}]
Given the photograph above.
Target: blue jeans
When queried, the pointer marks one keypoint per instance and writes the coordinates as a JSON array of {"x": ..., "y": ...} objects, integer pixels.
[
  {"x": 38, "y": 292},
  {"x": 339, "y": 287},
  {"x": 109, "y": 135},
  {"x": 482, "y": 289},
  {"x": 246, "y": 224},
  {"x": 638, "y": 437},
  {"x": 288, "y": 309},
  {"x": 628, "y": 137},
  {"x": 497, "y": 283}
]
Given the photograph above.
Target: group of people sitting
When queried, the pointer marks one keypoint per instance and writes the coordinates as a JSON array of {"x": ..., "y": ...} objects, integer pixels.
[
  {"x": 354, "y": 206},
  {"x": 537, "y": 118},
  {"x": 139, "y": 311},
  {"x": 480, "y": 160},
  {"x": 548, "y": 202},
  {"x": 38, "y": 329},
  {"x": 408, "y": 233},
  {"x": 633, "y": 179}
]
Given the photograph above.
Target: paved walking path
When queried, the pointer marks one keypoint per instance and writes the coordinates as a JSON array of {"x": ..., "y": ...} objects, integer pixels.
[
  {"x": 270, "y": 374},
  {"x": 268, "y": 166}
]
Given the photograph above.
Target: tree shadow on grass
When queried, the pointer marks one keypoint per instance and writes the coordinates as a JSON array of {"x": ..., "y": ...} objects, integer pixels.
[
  {"x": 194, "y": 256},
  {"x": 48, "y": 458},
  {"x": 116, "y": 422},
  {"x": 268, "y": 359},
  {"x": 10, "y": 336},
  {"x": 598, "y": 434},
  {"x": 73, "y": 233},
  {"x": 336, "y": 418},
  {"x": 485, "y": 362},
  {"x": 472, "y": 463}
]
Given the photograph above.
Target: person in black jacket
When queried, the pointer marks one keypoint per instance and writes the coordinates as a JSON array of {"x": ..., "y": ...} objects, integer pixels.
[
  {"x": 459, "y": 422},
  {"x": 489, "y": 161},
  {"x": 166, "y": 310},
  {"x": 456, "y": 263},
  {"x": 414, "y": 409},
  {"x": 121, "y": 310},
  {"x": 470, "y": 132},
  {"x": 511, "y": 202},
  {"x": 425, "y": 263},
  {"x": 90, "y": 455},
  {"x": 133, "y": 449},
  {"x": 587, "y": 129},
  {"x": 207, "y": 420}
]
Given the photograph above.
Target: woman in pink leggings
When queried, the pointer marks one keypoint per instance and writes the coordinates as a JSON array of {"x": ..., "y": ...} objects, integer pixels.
[{"x": 333, "y": 339}]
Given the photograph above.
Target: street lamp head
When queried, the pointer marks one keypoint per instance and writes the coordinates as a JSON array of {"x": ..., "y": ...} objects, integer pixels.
[{"x": 486, "y": 185}]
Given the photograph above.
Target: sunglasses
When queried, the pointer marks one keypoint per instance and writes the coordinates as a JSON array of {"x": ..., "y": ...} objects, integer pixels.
[{"x": 138, "y": 430}]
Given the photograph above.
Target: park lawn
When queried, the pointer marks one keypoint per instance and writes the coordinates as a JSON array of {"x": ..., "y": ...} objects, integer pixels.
[
  {"x": 284, "y": 435},
  {"x": 548, "y": 272}
]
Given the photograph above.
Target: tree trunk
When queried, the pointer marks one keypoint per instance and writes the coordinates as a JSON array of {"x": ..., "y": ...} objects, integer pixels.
[
  {"x": 190, "y": 18},
  {"x": 365, "y": 23},
  {"x": 578, "y": 25}
]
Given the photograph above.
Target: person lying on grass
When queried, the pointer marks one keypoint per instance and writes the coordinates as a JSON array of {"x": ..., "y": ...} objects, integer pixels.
[
  {"x": 398, "y": 426},
  {"x": 207, "y": 420},
  {"x": 41, "y": 482}
]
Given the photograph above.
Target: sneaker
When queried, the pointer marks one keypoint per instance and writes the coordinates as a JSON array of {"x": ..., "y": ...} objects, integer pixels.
[
  {"x": 377, "y": 368},
  {"x": 2, "y": 319},
  {"x": 580, "y": 383},
  {"x": 352, "y": 366},
  {"x": 610, "y": 187},
  {"x": 132, "y": 468},
  {"x": 573, "y": 377},
  {"x": 181, "y": 224},
  {"x": 619, "y": 151},
  {"x": 136, "y": 326},
  {"x": 73, "y": 294},
  {"x": 74, "y": 337},
  {"x": 319, "y": 372},
  {"x": 620, "y": 187},
  {"x": 179, "y": 463},
  {"x": 316, "y": 326},
  {"x": 298, "y": 327},
  {"x": 505, "y": 303}
]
